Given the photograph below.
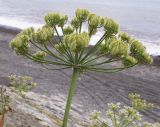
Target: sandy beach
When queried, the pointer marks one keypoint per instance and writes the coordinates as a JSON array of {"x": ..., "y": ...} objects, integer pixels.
[{"x": 94, "y": 90}]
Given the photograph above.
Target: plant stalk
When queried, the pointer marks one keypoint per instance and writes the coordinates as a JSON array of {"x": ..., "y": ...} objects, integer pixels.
[{"x": 70, "y": 95}]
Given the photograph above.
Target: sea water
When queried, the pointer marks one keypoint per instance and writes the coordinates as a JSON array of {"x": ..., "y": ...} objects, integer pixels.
[{"x": 140, "y": 18}]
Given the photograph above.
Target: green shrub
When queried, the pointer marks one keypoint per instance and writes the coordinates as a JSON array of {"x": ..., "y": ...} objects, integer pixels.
[
  {"x": 21, "y": 84},
  {"x": 4, "y": 101}
]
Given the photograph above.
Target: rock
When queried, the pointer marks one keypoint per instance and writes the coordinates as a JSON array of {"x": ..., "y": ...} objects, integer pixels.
[
  {"x": 9, "y": 29},
  {"x": 37, "y": 110},
  {"x": 156, "y": 60}
]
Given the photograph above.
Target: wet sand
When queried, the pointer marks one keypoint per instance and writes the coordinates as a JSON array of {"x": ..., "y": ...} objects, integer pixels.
[{"x": 93, "y": 91}]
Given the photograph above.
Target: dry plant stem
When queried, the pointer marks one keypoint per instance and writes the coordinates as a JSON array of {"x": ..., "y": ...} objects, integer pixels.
[
  {"x": 70, "y": 95},
  {"x": 1, "y": 120}
]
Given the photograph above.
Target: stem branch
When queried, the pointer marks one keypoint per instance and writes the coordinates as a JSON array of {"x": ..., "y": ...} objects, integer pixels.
[{"x": 70, "y": 95}]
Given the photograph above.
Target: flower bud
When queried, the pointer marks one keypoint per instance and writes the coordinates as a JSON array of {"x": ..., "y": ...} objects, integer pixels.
[
  {"x": 125, "y": 37},
  {"x": 134, "y": 96},
  {"x": 61, "y": 47},
  {"x": 75, "y": 23},
  {"x": 95, "y": 115},
  {"x": 20, "y": 44},
  {"x": 104, "y": 48},
  {"x": 144, "y": 58},
  {"x": 94, "y": 21},
  {"x": 63, "y": 21},
  {"x": 149, "y": 59},
  {"x": 138, "y": 103},
  {"x": 82, "y": 14},
  {"x": 110, "y": 113},
  {"x": 92, "y": 31},
  {"x": 129, "y": 61},
  {"x": 68, "y": 30},
  {"x": 52, "y": 19},
  {"x": 76, "y": 41},
  {"x": 28, "y": 32},
  {"x": 43, "y": 35},
  {"x": 111, "y": 26},
  {"x": 114, "y": 106},
  {"x": 123, "y": 113},
  {"x": 146, "y": 124},
  {"x": 139, "y": 52},
  {"x": 118, "y": 48},
  {"x": 133, "y": 113},
  {"x": 40, "y": 55},
  {"x": 137, "y": 47}
]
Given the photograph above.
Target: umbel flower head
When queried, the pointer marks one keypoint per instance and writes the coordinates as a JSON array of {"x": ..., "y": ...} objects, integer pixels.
[
  {"x": 94, "y": 22},
  {"x": 72, "y": 50},
  {"x": 111, "y": 26},
  {"x": 20, "y": 44},
  {"x": 75, "y": 23},
  {"x": 121, "y": 115},
  {"x": 39, "y": 55},
  {"x": 28, "y": 32},
  {"x": 68, "y": 30},
  {"x": 43, "y": 35},
  {"x": 52, "y": 19},
  {"x": 76, "y": 41},
  {"x": 82, "y": 14},
  {"x": 72, "y": 47}
]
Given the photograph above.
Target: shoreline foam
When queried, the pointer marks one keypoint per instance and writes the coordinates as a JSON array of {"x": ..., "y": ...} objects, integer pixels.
[{"x": 18, "y": 23}]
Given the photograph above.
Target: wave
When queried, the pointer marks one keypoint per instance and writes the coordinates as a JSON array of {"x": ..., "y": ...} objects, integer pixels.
[
  {"x": 18, "y": 23},
  {"x": 153, "y": 49}
]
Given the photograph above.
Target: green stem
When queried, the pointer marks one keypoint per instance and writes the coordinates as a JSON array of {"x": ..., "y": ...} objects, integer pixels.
[
  {"x": 70, "y": 95},
  {"x": 62, "y": 30},
  {"x": 45, "y": 66},
  {"x": 2, "y": 104},
  {"x": 80, "y": 27},
  {"x": 92, "y": 59},
  {"x": 115, "y": 120},
  {"x": 94, "y": 48}
]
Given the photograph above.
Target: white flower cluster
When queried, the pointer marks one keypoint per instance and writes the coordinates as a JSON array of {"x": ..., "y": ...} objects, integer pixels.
[{"x": 119, "y": 115}]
